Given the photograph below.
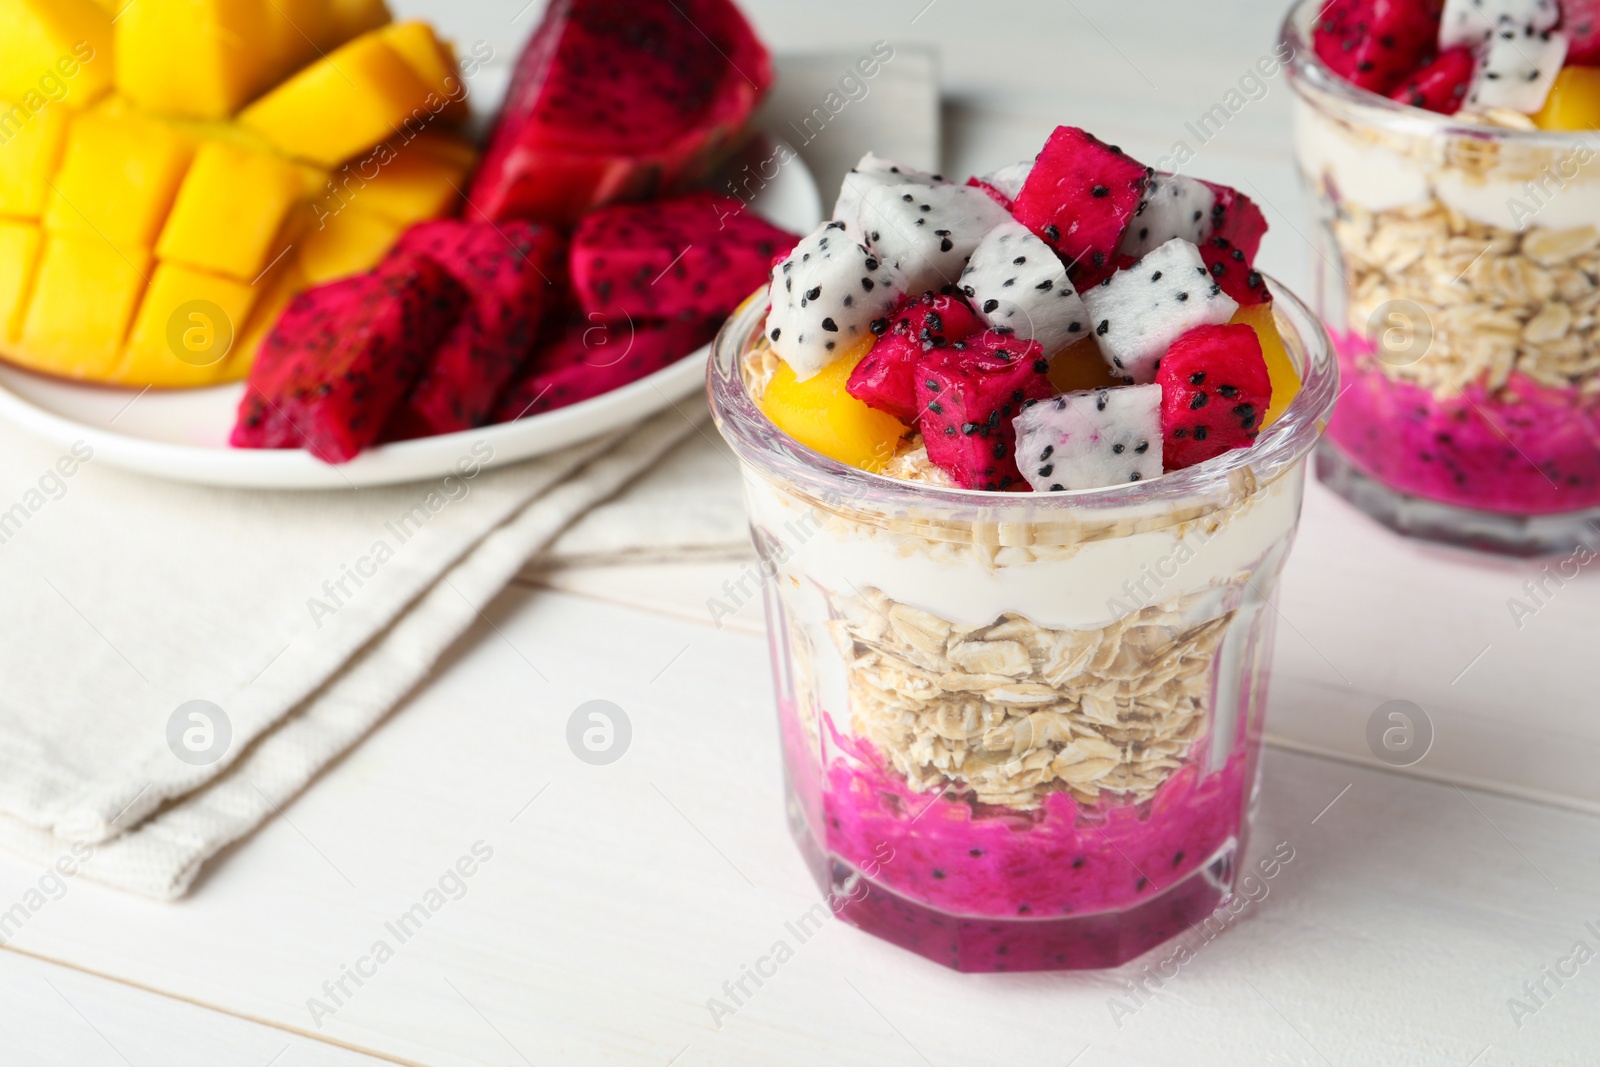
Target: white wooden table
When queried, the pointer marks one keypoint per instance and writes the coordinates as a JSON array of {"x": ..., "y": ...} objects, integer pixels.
[{"x": 619, "y": 898}]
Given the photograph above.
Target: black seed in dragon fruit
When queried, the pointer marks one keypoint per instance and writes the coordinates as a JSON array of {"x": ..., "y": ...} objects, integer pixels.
[
  {"x": 1138, "y": 312},
  {"x": 1517, "y": 70},
  {"x": 1091, "y": 439},
  {"x": 886, "y": 377},
  {"x": 1470, "y": 23},
  {"x": 928, "y": 233},
  {"x": 969, "y": 394},
  {"x": 873, "y": 173},
  {"x": 1215, "y": 389},
  {"x": 1079, "y": 197},
  {"x": 1173, "y": 206},
  {"x": 826, "y": 296},
  {"x": 1017, "y": 284},
  {"x": 1005, "y": 184}
]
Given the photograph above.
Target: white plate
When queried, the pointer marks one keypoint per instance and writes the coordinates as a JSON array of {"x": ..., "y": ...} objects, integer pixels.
[{"x": 183, "y": 434}]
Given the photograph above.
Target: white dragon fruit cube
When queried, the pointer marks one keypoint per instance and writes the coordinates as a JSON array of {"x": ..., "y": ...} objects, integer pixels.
[
  {"x": 1173, "y": 206},
  {"x": 873, "y": 173},
  {"x": 825, "y": 298},
  {"x": 928, "y": 232},
  {"x": 1517, "y": 70},
  {"x": 1138, "y": 312},
  {"x": 1009, "y": 179},
  {"x": 1470, "y": 23},
  {"x": 1092, "y": 439},
  {"x": 1017, "y": 283}
]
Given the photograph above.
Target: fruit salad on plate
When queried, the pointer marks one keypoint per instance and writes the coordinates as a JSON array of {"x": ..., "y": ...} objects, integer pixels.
[{"x": 1075, "y": 322}]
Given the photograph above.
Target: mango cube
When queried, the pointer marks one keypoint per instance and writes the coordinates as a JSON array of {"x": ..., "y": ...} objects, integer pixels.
[
  {"x": 186, "y": 328},
  {"x": 30, "y": 150},
  {"x": 349, "y": 19},
  {"x": 1081, "y": 366},
  {"x": 435, "y": 63},
  {"x": 822, "y": 416},
  {"x": 19, "y": 257},
  {"x": 1280, "y": 368},
  {"x": 340, "y": 105},
  {"x": 68, "y": 40},
  {"x": 229, "y": 211},
  {"x": 203, "y": 58},
  {"x": 1574, "y": 101},
  {"x": 118, "y": 178},
  {"x": 83, "y": 298},
  {"x": 353, "y": 241},
  {"x": 414, "y": 184},
  {"x": 295, "y": 29}
]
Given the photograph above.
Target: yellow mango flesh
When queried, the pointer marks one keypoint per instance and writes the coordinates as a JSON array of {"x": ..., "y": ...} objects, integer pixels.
[
  {"x": 415, "y": 184},
  {"x": 118, "y": 177},
  {"x": 19, "y": 257},
  {"x": 821, "y": 415},
  {"x": 30, "y": 150},
  {"x": 1080, "y": 367},
  {"x": 1280, "y": 368},
  {"x": 83, "y": 299},
  {"x": 434, "y": 63},
  {"x": 349, "y": 19},
  {"x": 229, "y": 211},
  {"x": 69, "y": 41},
  {"x": 202, "y": 58},
  {"x": 294, "y": 28},
  {"x": 350, "y": 242},
  {"x": 340, "y": 105},
  {"x": 187, "y": 325},
  {"x": 1574, "y": 101}
]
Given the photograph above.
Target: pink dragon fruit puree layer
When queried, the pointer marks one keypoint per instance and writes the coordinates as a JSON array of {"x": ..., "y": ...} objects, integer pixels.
[
  {"x": 1056, "y": 862},
  {"x": 1527, "y": 450}
]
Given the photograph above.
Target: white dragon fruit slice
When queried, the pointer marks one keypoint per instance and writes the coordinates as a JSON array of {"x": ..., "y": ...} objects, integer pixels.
[
  {"x": 1009, "y": 180},
  {"x": 825, "y": 297},
  {"x": 1089, "y": 440},
  {"x": 871, "y": 173},
  {"x": 1018, "y": 284},
  {"x": 1138, "y": 312},
  {"x": 1517, "y": 70},
  {"x": 928, "y": 232},
  {"x": 1470, "y": 23},
  {"x": 1173, "y": 206}
]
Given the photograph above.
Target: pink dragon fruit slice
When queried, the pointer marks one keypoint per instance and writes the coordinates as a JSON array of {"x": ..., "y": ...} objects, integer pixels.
[
  {"x": 1080, "y": 197},
  {"x": 872, "y": 173},
  {"x": 1138, "y": 312},
  {"x": 616, "y": 100},
  {"x": 886, "y": 377},
  {"x": 1440, "y": 86},
  {"x": 1580, "y": 21},
  {"x": 343, "y": 355},
  {"x": 1229, "y": 249},
  {"x": 1005, "y": 184},
  {"x": 1173, "y": 206},
  {"x": 826, "y": 296},
  {"x": 928, "y": 233},
  {"x": 1215, "y": 388},
  {"x": 968, "y": 394},
  {"x": 693, "y": 257},
  {"x": 1471, "y": 23},
  {"x": 513, "y": 273},
  {"x": 584, "y": 359},
  {"x": 1376, "y": 43},
  {"x": 1517, "y": 70},
  {"x": 1019, "y": 286},
  {"x": 1092, "y": 439}
]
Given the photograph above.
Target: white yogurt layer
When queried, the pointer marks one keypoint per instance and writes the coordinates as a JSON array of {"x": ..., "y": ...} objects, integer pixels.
[
  {"x": 1088, "y": 587},
  {"x": 1563, "y": 195}
]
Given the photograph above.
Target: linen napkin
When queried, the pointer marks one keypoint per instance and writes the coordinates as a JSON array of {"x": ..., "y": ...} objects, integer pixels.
[{"x": 300, "y": 619}]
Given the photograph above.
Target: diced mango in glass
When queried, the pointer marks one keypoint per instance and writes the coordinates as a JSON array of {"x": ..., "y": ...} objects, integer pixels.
[
  {"x": 415, "y": 184},
  {"x": 202, "y": 58},
  {"x": 1081, "y": 366},
  {"x": 349, "y": 19},
  {"x": 1280, "y": 368},
  {"x": 1574, "y": 101},
  {"x": 30, "y": 151},
  {"x": 229, "y": 211},
  {"x": 435, "y": 63},
  {"x": 821, "y": 415},
  {"x": 186, "y": 328},
  {"x": 351, "y": 242},
  {"x": 67, "y": 40},
  {"x": 83, "y": 300},
  {"x": 118, "y": 177},
  {"x": 19, "y": 257},
  {"x": 340, "y": 105}
]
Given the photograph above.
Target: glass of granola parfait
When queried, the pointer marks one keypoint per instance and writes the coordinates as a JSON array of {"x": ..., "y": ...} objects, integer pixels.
[
  {"x": 1023, "y": 460},
  {"x": 1458, "y": 265}
]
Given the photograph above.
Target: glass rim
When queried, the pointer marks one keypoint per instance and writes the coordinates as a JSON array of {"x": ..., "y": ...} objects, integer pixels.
[
  {"x": 1307, "y": 71},
  {"x": 760, "y": 444}
]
